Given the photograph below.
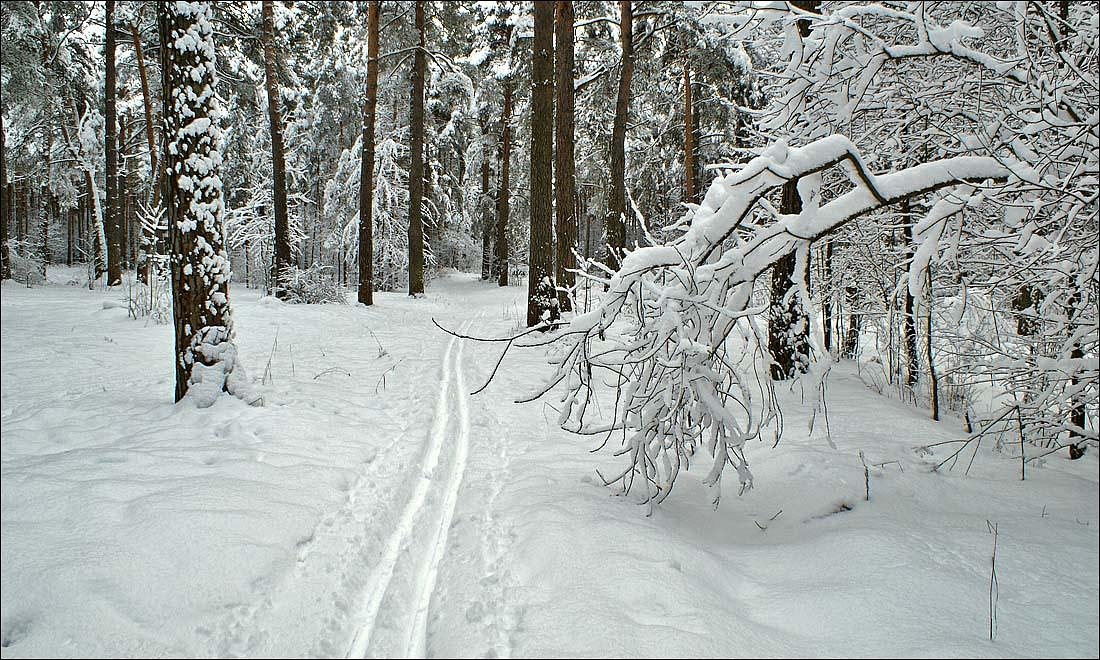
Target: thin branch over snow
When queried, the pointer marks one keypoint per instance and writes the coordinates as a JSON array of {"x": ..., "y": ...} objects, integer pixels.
[{"x": 675, "y": 333}]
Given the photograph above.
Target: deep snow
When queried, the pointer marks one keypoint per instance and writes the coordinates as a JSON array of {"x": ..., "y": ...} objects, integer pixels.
[{"x": 372, "y": 507}]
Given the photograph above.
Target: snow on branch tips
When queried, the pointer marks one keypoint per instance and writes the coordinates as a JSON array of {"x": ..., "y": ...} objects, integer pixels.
[{"x": 676, "y": 337}]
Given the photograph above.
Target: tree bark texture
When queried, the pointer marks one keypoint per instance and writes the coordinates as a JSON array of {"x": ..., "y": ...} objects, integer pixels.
[
  {"x": 689, "y": 138},
  {"x": 909, "y": 314},
  {"x": 205, "y": 354},
  {"x": 501, "y": 260},
  {"x": 416, "y": 167},
  {"x": 366, "y": 169},
  {"x": 148, "y": 234},
  {"x": 283, "y": 260},
  {"x": 486, "y": 206},
  {"x": 113, "y": 207},
  {"x": 564, "y": 163},
  {"x": 616, "y": 200},
  {"x": 5, "y": 208},
  {"x": 542, "y": 299},
  {"x": 788, "y": 323}
]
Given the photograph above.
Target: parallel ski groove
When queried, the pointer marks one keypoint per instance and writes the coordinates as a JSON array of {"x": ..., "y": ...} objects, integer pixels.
[
  {"x": 418, "y": 631},
  {"x": 383, "y": 573}
]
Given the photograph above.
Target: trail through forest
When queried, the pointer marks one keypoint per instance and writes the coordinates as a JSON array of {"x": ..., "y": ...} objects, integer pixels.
[{"x": 372, "y": 507}]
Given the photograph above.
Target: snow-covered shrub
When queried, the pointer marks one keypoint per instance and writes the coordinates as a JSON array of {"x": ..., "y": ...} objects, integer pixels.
[
  {"x": 152, "y": 299},
  {"x": 26, "y": 267},
  {"x": 315, "y": 285}
]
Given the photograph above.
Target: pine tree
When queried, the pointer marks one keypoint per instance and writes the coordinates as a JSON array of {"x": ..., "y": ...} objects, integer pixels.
[
  {"x": 366, "y": 178},
  {"x": 788, "y": 321},
  {"x": 282, "y": 257},
  {"x": 206, "y": 357},
  {"x": 485, "y": 206},
  {"x": 5, "y": 205},
  {"x": 113, "y": 208},
  {"x": 500, "y": 260},
  {"x": 542, "y": 299},
  {"x": 416, "y": 167},
  {"x": 616, "y": 200},
  {"x": 564, "y": 162},
  {"x": 148, "y": 234}
]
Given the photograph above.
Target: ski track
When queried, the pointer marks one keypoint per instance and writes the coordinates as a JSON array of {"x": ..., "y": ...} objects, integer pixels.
[
  {"x": 418, "y": 631},
  {"x": 378, "y": 585}
]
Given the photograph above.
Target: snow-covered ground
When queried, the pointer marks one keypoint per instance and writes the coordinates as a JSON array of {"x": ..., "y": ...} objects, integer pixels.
[{"x": 372, "y": 507}]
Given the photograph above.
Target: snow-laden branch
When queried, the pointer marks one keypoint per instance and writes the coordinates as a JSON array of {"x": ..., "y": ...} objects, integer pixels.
[
  {"x": 675, "y": 331},
  {"x": 730, "y": 200}
]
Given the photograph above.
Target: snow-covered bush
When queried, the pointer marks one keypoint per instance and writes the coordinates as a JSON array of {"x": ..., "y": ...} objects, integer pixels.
[
  {"x": 152, "y": 299},
  {"x": 315, "y": 285},
  {"x": 26, "y": 267}
]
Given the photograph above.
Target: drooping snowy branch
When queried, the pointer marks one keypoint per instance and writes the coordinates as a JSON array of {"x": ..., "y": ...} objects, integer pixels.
[{"x": 676, "y": 331}]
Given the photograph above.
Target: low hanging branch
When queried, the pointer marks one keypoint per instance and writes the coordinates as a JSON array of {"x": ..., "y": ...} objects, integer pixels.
[{"x": 675, "y": 331}]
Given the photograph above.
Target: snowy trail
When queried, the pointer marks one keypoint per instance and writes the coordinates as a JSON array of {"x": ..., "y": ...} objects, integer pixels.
[
  {"x": 372, "y": 508},
  {"x": 418, "y": 632},
  {"x": 416, "y": 509}
]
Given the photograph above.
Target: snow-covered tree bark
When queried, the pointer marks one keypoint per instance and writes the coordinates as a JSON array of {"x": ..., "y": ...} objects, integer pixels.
[
  {"x": 78, "y": 149},
  {"x": 788, "y": 318},
  {"x": 206, "y": 356},
  {"x": 148, "y": 229},
  {"x": 500, "y": 259},
  {"x": 113, "y": 206},
  {"x": 485, "y": 201},
  {"x": 689, "y": 137},
  {"x": 5, "y": 204}
]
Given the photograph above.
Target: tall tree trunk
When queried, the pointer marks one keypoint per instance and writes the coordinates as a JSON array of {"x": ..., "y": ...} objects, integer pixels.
[
  {"x": 1078, "y": 439},
  {"x": 486, "y": 207},
  {"x": 689, "y": 138},
  {"x": 933, "y": 380},
  {"x": 616, "y": 199},
  {"x": 366, "y": 169},
  {"x": 127, "y": 184},
  {"x": 855, "y": 324},
  {"x": 434, "y": 226},
  {"x": 206, "y": 358},
  {"x": 94, "y": 205},
  {"x": 542, "y": 299},
  {"x": 113, "y": 203},
  {"x": 788, "y": 322},
  {"x": 501, "y": 260},
  {"x": 46, "y": 204},
  {"x": 283, "y": 260},
  {"x": 148, "y": 230},
  {"x": 416, "y": 167},
  {"x": 827, "y": 302},
  {"x": 909, "y": 315},
  {"x": 565, "y": 164},
  {"x": 70, "y": 233},
  {"x": 147, "y": 102},
  {"x": 5, "y": 207}
]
